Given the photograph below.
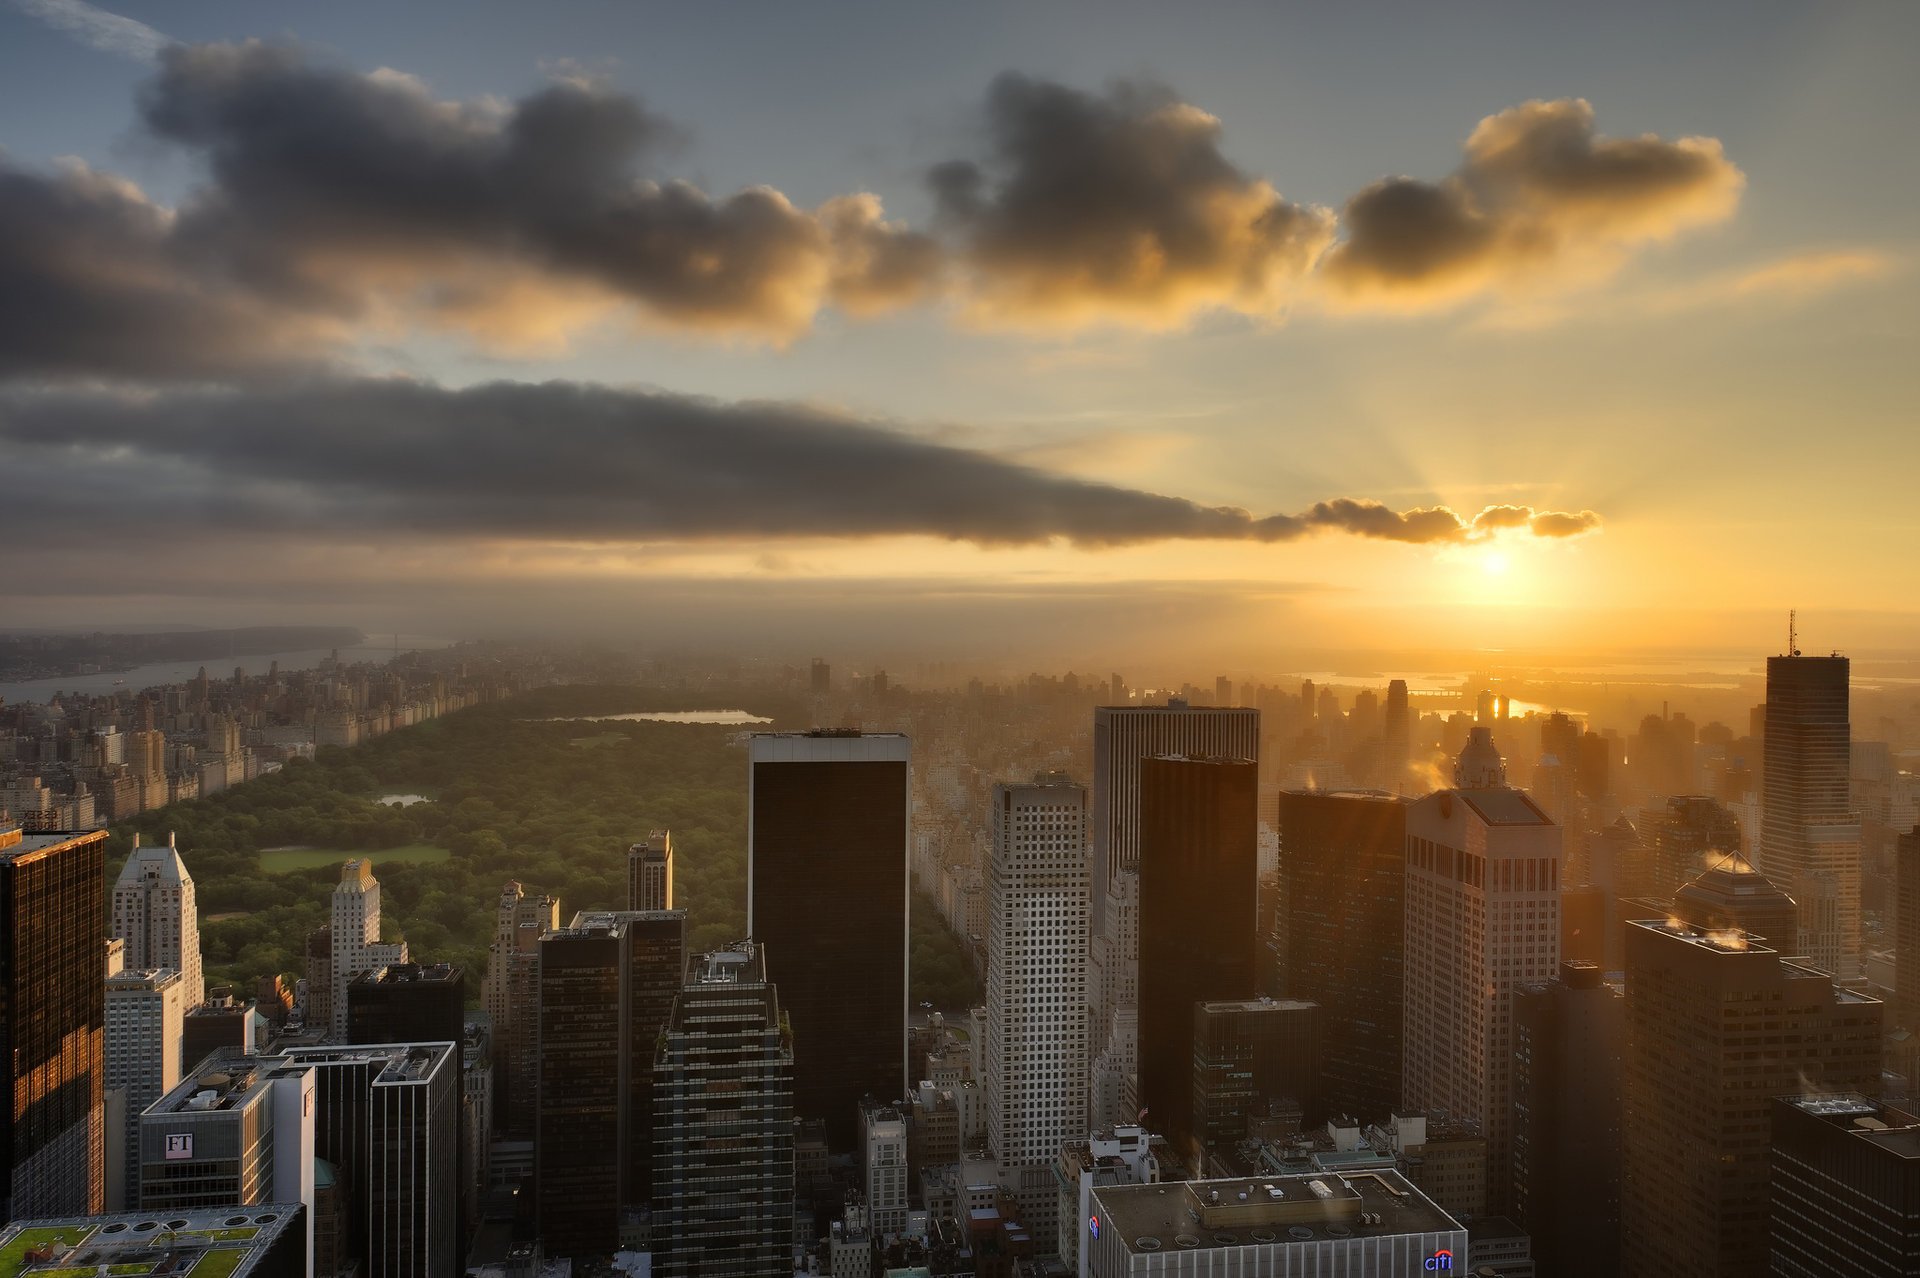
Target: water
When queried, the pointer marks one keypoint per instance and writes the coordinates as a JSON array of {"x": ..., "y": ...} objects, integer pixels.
[
  {"x": 162, "y": 673},
  {"x": 735, "y": 717}
]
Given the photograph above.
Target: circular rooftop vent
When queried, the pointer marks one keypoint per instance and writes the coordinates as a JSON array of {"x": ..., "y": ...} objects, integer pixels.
[
  {"x": 1301, "y": 1232},
  {"x": 236, "y": 1220},
  {"x": 117, "y": 1227},
  {"x": 1263, "y": 1235},
  {"x": 1146, "y": 1242},
  {"x": 1185, "y": 1240},
  {"x": 144, "y": 1226},
  {"x": 1340, "y": 1231},
  {"x": 1225, "y": 1240},
  {"x": 176, "y": 1224},
  {"x": 267, "y": 1219}
]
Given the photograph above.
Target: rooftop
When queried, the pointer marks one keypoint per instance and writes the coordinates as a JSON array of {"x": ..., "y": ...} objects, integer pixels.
[
  {"x": 1894, "y": 1130},
  {"x": 210, "y": 1242},
  {"x": 1264, "y": 1210},
  {"x": 406, "y": 973},
  {"x": 1504, "y": 807},
  {"x": 18, "y": 843},
  {"x": 1264, "y": 1003}
]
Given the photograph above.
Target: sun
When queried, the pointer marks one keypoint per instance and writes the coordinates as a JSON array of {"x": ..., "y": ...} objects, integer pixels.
[{"x": 1494, "y": 563}]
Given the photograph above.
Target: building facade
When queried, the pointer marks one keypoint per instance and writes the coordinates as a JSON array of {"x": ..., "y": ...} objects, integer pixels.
[
  {"x": 144, "y": 1012},
  {"x": 650, "y": 872},
  {"x": 1844, "y": 1188},
  {"x": 1809, "y": 833},
  {"x": 156, "y": 913},
  {"x": 356, "y": 935}
]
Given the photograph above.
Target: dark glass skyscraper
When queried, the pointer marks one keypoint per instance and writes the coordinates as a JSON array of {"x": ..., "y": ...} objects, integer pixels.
[
  {"x": 1809, "y": 836},
  {"x": 1341, "y": 937},
  {"x": 1845, "y": 1188},
  {"x": 1248, "y": 1055},
  {"x": 407, "y": 1003},
  {"x": 1198, "y": 915},
  {"x": 827, "y": 830},
  {"x": 53, "y": 1008}
]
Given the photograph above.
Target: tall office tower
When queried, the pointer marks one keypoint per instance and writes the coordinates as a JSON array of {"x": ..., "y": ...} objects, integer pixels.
[
  {"x": 1808, "y": 827},
  {"x": 356, "y": 935},
  {"x": 1035, "y": 1056},
  {"x": 1717, "y": 1025},
  {"x": 1906, "y": 931},
  {"x": 511, "y": 995},
  {"x": 820, "y": 679},
  {"x": 650, "y": 873},
  {"x": 1199, "y": 862},
  {"x": 1732, "y": 895},
  {"x": 1343, "y": 859},
  {"x": 1482, "y": 919},
  {"x": 828, "y": 831},
  {"x": 154, "y": 912},
  {"x": 1396, "y": 737},
  {"x": 657, "y": 964},
  {"x": 1591, "y": 775},
  {"x": 1122, "y": 737},
  {"x": 725, "y": 1063},
  {"x": 142, "y": 1058},
  {"x": 883, "y": 1145},
  {"x": 1249, "y": 1056},
  {"x": 1844, "y": 1189},
  {"x": 52, "y": 1022},
  {"x": 1568, "y": 1037},
  {"x": 408, "y": 1003},
  {"x": 1689, "y": 835}
]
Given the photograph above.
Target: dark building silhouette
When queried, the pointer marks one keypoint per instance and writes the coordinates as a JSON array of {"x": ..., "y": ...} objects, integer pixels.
[
  {"x": 1198, "y": 872},
  {"x": 1845, "y": 1188},
  {"x": 1248, "y": 1055},
  {"x": 1340, "y": 935},
  {"x": 1396, "y": 736},
  {"x": 723, "y": 1142},
  {"x": 1687, "y": 836},
  {"x": 1906, "y": 930},
  {"x": 1583, "y": 925},
  {"x": 1809, "y": 835},
  {"x": 1717, "y": 1025},
  {"x": 1592, "y": 774},
  {"x": 1732, "y": 895},
  {"x": 407, "y": 1003},
  {"x": 53, "y": 1010},
  {"x": 827, "y": 897},
  {"x": 1568, "y": 1036}
]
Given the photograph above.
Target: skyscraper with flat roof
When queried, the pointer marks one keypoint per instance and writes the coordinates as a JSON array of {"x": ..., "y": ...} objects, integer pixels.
[
  {"x": 1035, "y": 1056},
  {"x": 1717, "y": 1025},
  {"x": 1844, "y": 1188},
  {"x": 156, "y": 912},
  {"x": 1809, "y": 833},
  {"x": 1247, "y": 1055},
  {"x": 1199, "y": 866},
  {"x": 827, "y": 842},
  {"x": 511, "y": 994},
  {"x": 52, "y": 1023},
  {"x": 1906, "y": 931},
  {"x": 1482, "y": 918},
  {"x": 144, "y": 1015}
]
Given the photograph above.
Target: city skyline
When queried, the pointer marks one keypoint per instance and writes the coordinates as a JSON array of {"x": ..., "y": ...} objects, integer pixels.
[{"x": 1616, "y": 274}]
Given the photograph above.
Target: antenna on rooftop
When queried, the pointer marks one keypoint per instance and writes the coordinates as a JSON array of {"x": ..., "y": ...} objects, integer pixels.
[{"x": 1793, "y": 646}]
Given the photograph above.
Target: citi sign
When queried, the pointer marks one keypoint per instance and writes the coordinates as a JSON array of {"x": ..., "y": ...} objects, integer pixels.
[{"x": 1440, "y": 1260}]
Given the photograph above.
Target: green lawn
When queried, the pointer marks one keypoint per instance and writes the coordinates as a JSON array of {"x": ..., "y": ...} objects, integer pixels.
[
  {"x": 280, "y": 860},
  {"x": 15, "y": 1253},
  {"x": 219, "y": 1263},
  {"x": 223, "y": 1235}
]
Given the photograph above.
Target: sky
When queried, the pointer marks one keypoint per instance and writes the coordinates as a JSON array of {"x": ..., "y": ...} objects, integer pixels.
[{"x": 1078, "y": 331}]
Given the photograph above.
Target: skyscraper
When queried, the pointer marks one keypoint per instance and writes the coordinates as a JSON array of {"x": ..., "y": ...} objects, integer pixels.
[
  {"x": 1035, "y": 1056},
  {"x": 52, "y": 1023},
  {"x": 356, "y": 934},
  {"x": 511, "y": 995},
  {"x": 1122, "y": 737},
  {"x": 1717, "y": 1025},
  {"x": 827, "y": 841},
  {"x": 1844, "y": 1189},
  {"x": 1250, "y": 1054},
  {"x": 1199, "y": 862},
  {"x": 1340, "y": 932},
  {"x": 1809, "y": 834},
  {"x": 407, "y": 1003},
  {"x": 1482, "y": 918},
  {"x": 650, "y": 873},
  {"x": 725, "y": 1064},
  {"x": 144, "y": 1012},
  {"x": 1396, "y": 737},
  {"x": 1906, "y": 931},
  {"x": 1687, "y": 836},
  {"x": 155, "y": 913}
]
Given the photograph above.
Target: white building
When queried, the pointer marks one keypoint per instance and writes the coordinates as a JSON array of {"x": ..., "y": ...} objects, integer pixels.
[
  {"x": 1034, "y": 1061},
  {"x": 356, "y": 935},
  {"x": 1122, "y": 1156},
  {"x": 145, "y": 1010},
  {"x": 883, "y": 1131},
  {"x": 1122, "y": 737},
  {"x": 1482, "y": 918},
  {"x": 155, "y": 913}
]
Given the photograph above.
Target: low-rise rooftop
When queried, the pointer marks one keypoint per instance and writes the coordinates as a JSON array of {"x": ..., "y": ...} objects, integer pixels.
[
  {"x": 1262, "y": 1210},
  {"x": 209, "y": 1242}
]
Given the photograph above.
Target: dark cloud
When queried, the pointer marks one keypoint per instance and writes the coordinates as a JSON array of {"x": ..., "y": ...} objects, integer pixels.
[
  {"x": 566, "y": 462},
  {"x": 1116, "y": 206},
  {"x": 1538, "y": 197}
]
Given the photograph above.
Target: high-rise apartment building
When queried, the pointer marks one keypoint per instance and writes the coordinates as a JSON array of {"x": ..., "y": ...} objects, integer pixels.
[
  {"x": 1568, "y": 1038},
  {"x": 144, "y": 1012},
  {"x": 52, "y": 1023},
  {"x": 1339, "y": 935},
  {"x": 156, "y": 914},
  {"x": 356, "y": 935},
  {"x": 650, "y": 872},
  {"x": 883, "y": 1146},
  {"x": 725, "y": 1064},
  {"x": 1034, "y": 1061},
  {"x": 827, "y": 841},
  {"x": 1199, "y": 863},
  {"x": 1809, "y": 833},
  {"x": 1122, "y": 737},
  {"x": 1717, "y": 1025},
  {"x": 1482, "y": 919},
  {"x": 511, "y": 995},
  {"x": 1844, "y": 1189},
  {"x": 1249, "y": 1055}
]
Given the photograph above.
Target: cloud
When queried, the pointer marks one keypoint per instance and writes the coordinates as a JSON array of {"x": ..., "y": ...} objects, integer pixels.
[
  {"x": 1793, "y": 278},
  {"x": 1116, "y": 207},
  {"x": 562, "y": 461},
  {"x": 1539, "y": 199},
  {"x": 98, "y": 29}
]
